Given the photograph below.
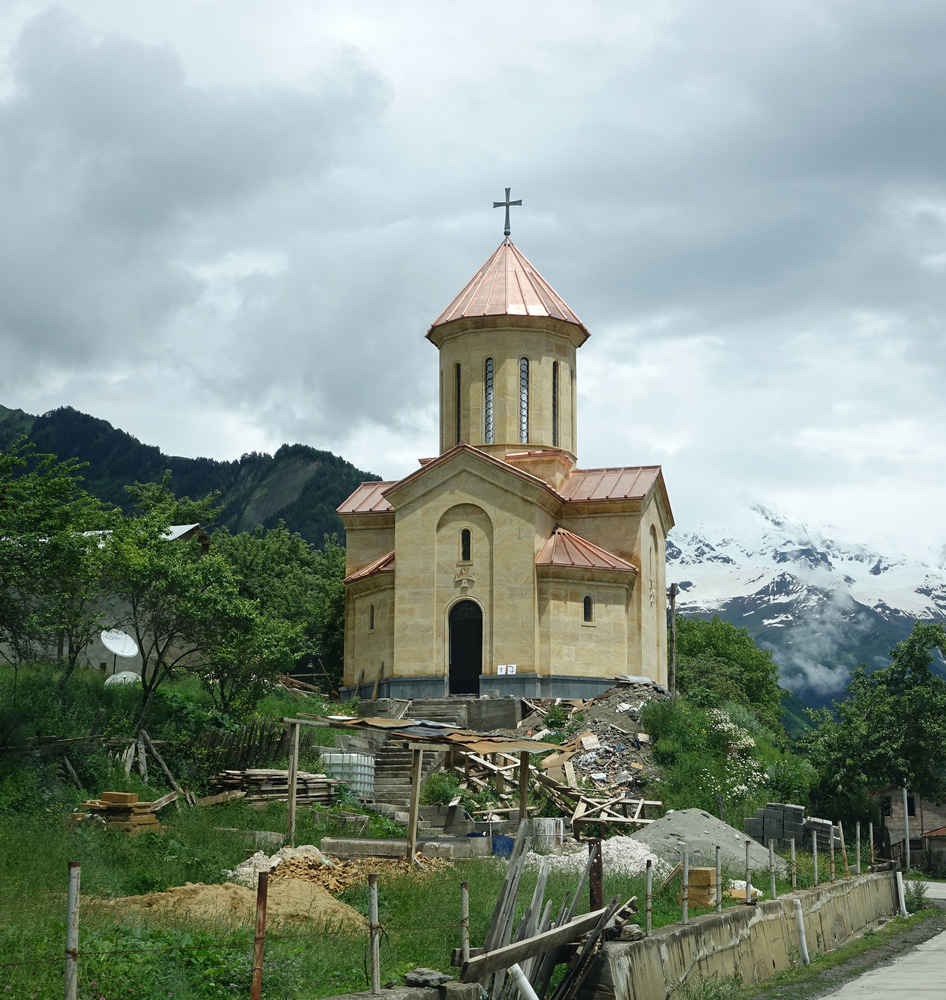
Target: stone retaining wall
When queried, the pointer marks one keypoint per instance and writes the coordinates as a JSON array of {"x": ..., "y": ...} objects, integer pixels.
[{"x": 752, "y": 941}]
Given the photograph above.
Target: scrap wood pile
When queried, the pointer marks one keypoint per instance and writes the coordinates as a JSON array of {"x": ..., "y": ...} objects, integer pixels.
[
  {"x": 540, "y": 943},
  {"x": 266, "y": 784},
  {"x": 123, "y": 812},
  {"x": 556, "y": 779}
]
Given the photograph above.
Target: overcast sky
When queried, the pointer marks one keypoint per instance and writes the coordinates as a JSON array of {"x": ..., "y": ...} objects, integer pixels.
[{"x": 227, "y": 225}]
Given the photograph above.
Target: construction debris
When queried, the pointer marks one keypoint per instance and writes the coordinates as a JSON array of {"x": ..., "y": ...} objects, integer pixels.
[
  {"x": 333, "y": 874},
  {"x": 122, "y": 812}
]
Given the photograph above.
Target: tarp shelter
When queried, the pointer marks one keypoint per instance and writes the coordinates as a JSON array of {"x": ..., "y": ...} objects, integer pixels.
[{"x": 420, "y": 735}]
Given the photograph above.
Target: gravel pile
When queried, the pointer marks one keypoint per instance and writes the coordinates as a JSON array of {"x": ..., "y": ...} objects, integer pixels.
[
  {"x": 698, "y": 833},
  {"x": 619, "y": 856}
]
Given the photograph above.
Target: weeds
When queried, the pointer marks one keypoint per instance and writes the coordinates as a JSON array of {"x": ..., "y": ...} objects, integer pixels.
[{"x": 714, "y": 987}]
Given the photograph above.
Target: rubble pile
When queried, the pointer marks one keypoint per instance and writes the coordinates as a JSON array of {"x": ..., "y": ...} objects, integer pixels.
[
  {"x": 622, "y": 757},
  {"x": 619, "y": 856},
  {"x": 335, "y": 875}
]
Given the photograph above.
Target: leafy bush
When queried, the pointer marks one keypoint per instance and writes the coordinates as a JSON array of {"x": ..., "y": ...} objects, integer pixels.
[{"x": 914, "y": 895}]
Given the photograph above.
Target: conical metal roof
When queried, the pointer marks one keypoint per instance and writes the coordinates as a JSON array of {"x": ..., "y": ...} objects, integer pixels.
[{"x": 507, "y": 285}]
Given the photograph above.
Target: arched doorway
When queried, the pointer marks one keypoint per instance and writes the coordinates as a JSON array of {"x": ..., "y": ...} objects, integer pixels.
[{"x": 466, "y": 647}]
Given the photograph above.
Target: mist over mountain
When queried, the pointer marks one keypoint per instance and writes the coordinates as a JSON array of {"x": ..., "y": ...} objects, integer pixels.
[
  {"x": 823, "y": 605},
  {"x": 299, "y": 485}
]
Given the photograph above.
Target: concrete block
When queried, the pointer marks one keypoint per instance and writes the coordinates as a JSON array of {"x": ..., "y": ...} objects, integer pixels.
[{"x": 460, "y": 991}]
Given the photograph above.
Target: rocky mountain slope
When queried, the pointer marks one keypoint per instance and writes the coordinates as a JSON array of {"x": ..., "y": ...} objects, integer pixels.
[{"x": 821, "y": 604}]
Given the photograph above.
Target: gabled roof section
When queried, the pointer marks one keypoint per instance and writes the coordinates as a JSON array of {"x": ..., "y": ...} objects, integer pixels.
[
  {"x": 629, "y": 483},
  {"x": 367, "y": 499},
  {"x": 383, "y": 565},
  {"x": 565, "y": 548},
  {"x": 508, "y": 285}
]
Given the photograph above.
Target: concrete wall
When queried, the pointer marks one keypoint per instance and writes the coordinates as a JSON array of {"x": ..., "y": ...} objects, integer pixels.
[{"x": 754, "y": 942}]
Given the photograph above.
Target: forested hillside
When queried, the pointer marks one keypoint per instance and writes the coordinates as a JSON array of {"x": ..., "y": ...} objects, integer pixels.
[{"x": 299, "y": 485}]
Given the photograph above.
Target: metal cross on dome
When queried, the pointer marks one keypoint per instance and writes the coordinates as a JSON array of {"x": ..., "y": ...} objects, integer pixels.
[{"x": 505, "y": 204}]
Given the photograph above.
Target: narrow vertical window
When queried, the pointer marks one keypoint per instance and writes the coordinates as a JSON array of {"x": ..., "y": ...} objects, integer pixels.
[
  {"x": 523, "y": 400},
  {"x": 588, "y": 609},
  {"x": 465, "y": 545},
  {"x": 554, "y": 404},
  {"x": 371, "y": 618},
  {"x": 456, "y": 403},
  {"x": 488, "y": 402}
]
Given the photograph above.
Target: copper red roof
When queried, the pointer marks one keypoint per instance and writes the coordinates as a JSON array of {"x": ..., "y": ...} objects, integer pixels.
[
  {"x": 565, "y": 548},
  {"x": 367, "y": 499},
  {"x": 610, "y": 484},
  {"x": 383, "y": 565},
  {"x": 507, "y": 285}
]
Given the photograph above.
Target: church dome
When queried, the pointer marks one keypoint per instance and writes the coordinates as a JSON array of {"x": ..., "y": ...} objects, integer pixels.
[{"x": 508, "y": 285}]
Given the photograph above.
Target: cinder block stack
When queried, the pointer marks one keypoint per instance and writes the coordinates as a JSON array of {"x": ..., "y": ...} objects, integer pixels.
[
  {"x": 121, "y": 811},
  {"x": 781, "y": 821}
]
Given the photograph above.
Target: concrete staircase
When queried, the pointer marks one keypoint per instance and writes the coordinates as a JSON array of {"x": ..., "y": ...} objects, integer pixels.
[
  {"x": 452, "y": 711},
  {"x": 392, "y": 775}
]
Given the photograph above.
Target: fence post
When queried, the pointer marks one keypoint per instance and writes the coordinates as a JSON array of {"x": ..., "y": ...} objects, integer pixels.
[
  {"x": 375, "y": 930},
  {"x": 72, "y": 931},
  {"x": 293, "y": 772},
  {"x": 465, "y": 920},
  {"x": 259, "y": 942},
  {"x": 814, "y": 853},
  {"x": 794, "y": 866},
  {"x": 858, "y": 848},
  {"x": 871, "y": 835},
  {"x": 748, "y": 877},
  {"x": 906, "y": 830},
  {"x": 831, "y": 867},
  {"x": 772, "y": 866},
  {"x": 847, "y": 867},
  {"x": 649, "y": 897},
  {"x": 719, "y": 881},
  {"x": 685, "y": 888},
  {"x": 596, "y": 875}
]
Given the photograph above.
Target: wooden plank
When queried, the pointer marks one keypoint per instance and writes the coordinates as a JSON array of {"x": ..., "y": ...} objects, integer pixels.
[
  {"x": 417, "y": 761},
  {"x": 502, "y": 958},
  {"x": 163, "y": 801}
]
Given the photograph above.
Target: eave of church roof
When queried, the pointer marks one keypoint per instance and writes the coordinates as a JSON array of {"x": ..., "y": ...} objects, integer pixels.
[
  {"x": 383, "y": 565},
  {"x": 507, "y": 285},
  {"x": 624, "y": 483},
  {"x": 565, "y": 548},
  {"x": 367, "y": 499}
]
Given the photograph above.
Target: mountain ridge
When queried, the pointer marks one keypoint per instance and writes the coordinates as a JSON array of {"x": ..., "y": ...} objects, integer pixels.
[
  {"x": 299, "y": 485},
  {"x": 823, "y": 605}
]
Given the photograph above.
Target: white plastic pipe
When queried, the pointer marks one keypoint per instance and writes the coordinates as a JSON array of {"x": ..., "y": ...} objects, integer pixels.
[
  {"x": 523, "y": 984},
  {"x": 900, "y": 895},
  {"x": 802, "y": 940}
]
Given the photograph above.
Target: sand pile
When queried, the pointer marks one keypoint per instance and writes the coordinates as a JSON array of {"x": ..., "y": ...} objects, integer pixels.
[
  {"x": 697, "y": 833},
  {"x": 290, "y": 900}
]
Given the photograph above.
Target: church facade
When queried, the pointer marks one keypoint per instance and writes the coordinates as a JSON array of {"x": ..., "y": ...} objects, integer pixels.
[{"x": 500, "y": 565}]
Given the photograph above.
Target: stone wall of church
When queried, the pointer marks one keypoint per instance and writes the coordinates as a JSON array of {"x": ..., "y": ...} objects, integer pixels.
[
  {"x": 570, "y": 645},
  {"x": 542, "y": 348},
  {"x": 369, "y": 628},
  {"x": 367, "y": 539}
]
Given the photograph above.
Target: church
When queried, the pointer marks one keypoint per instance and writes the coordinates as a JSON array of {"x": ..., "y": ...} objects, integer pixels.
[{"x": 500, "y": 565}]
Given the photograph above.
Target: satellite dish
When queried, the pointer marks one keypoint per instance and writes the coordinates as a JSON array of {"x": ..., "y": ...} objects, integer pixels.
[
  {"x": 119, "y": 643},
  {"x": 123, "y": 677}
]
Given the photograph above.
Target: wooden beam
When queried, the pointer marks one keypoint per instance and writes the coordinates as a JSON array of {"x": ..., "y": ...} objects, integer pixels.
[
  {"x": 524, "y": 758},
  {"x": 416, "y": 772},
  {"x": 291, "y": 780},
  {"x": 502, "y": 958}
]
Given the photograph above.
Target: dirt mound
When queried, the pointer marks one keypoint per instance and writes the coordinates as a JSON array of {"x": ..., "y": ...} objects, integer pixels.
[{"x": 289, "y": 900}]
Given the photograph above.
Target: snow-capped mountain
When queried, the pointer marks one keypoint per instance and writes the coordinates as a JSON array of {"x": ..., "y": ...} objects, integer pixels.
[{"x": 822, "y": 605}]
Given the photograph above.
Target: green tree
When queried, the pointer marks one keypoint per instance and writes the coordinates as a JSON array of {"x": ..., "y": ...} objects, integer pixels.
[
  {"x": 293, "y": 581},
  {"x": 889, "y": 730},
  {"x": 717, "y": 662},
  {"x": 168, "y": 588},
  {"x": 52, "y": 563}
]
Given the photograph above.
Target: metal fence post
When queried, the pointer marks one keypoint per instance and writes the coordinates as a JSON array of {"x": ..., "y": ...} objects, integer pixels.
[{"x": 72, "y": 931}]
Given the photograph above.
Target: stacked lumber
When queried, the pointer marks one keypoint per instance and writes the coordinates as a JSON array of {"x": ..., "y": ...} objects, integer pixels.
[
  {"x": 265, "y": 784},
  {"x": 122, "y": 812}
]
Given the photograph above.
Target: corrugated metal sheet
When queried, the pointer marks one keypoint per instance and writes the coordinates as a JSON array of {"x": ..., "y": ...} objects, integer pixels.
[{"x": 439, "y": 732}]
